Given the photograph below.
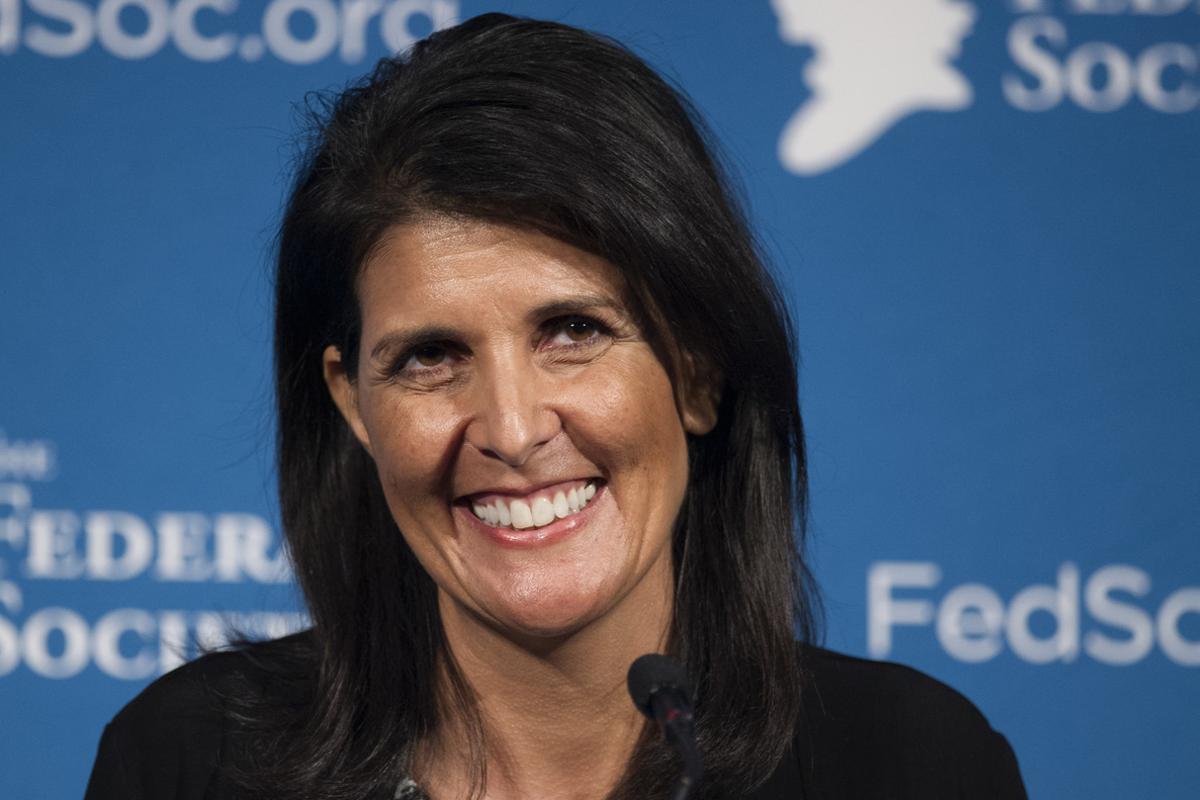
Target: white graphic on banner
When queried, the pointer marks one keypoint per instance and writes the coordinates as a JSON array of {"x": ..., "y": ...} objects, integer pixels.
[
  {"x": 110, "y": 547},
  {"x": 293, "y": 31},
  {"x": 972, "y": 623},
  {"x": 875, "y": 62}
]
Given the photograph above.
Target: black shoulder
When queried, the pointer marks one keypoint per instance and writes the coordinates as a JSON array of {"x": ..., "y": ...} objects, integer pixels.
[
  {"x": 171, "y": 740},
  {"x": 848, "y": 689},
  {"x": 888, "y": 730}
]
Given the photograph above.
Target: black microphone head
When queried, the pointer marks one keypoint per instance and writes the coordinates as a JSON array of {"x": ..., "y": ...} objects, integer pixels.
[{"x": 652, "y": 672}]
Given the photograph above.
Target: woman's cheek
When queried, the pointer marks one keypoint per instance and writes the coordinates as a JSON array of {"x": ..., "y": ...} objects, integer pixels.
[
  {"x": 412, "y": 438},
  {"x": 628, "y": 407}
]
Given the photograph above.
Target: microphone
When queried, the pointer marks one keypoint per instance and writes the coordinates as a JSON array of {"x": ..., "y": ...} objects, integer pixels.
[{"x": 660, "y": 690}]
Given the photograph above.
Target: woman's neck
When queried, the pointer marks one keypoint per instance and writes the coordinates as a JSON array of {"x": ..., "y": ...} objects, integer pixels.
[{"x": 556, "y": 717}]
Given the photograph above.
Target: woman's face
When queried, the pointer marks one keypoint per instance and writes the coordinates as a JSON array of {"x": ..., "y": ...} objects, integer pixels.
[{"x": 529, "y": 441}]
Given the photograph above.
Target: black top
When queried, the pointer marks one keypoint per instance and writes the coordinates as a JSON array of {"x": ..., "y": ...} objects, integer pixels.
[{"x": 869, "y": 730}]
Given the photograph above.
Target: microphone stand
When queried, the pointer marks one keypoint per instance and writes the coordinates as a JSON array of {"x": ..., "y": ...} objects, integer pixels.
[{"x": 678, "y": 729}]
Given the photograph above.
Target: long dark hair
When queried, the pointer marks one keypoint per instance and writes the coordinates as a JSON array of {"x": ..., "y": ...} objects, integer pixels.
[{"x": 544, "y": 126}]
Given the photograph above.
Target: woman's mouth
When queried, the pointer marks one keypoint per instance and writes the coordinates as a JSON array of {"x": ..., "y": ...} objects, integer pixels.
[{"x": 535, "y": 510}]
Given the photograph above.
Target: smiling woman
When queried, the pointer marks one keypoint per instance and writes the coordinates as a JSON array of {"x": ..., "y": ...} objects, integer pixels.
[
  {"x": 525, "y": 433},
  {"x": 538, "y": 416}
]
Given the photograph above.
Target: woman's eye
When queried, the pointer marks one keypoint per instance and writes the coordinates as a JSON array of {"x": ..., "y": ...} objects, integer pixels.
[
  {"x": 429, "y": 355},
  {"x": 422, "y": 361},
  {"x": 578, "y": 330}
]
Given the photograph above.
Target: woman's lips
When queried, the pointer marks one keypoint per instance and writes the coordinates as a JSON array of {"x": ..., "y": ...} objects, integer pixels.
[{"x": 535, "y": 535}]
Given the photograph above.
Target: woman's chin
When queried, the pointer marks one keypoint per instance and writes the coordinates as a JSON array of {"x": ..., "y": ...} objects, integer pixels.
[{"x": 547, "y": 612}]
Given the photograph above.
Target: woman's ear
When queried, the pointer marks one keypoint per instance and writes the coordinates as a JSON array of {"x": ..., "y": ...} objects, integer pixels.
[
  {"x": 700, "y": 395},
  {"x": 345, "y": 396}
]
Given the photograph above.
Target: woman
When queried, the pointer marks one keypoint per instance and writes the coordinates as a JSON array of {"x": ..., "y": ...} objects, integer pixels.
[{"x": 537, "y": 416}]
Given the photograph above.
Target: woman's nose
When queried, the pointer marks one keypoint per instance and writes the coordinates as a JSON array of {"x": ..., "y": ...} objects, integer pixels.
[{"x": 512, "y": 417}]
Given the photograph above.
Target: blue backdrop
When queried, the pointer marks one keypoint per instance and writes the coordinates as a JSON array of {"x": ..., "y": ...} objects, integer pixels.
[{"x": 986, "y": 218}]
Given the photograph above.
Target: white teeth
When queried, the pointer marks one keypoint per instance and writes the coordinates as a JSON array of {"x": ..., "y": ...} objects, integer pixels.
[
  {"x": 543, "y": 512},
  {"x": 521, "y": 514},
  {"x": 522, "y": 517}
]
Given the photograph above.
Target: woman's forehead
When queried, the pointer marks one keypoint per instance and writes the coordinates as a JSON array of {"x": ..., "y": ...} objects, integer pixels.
[{"x": 439, "y": 261}]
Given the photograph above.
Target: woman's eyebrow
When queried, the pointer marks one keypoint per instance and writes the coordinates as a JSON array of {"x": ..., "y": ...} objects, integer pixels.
[{"x": 574, "y": 305}]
